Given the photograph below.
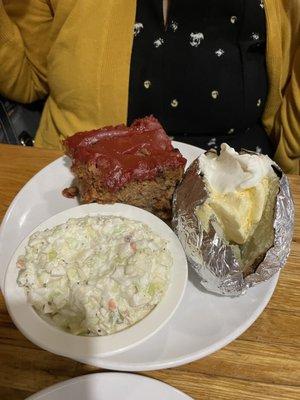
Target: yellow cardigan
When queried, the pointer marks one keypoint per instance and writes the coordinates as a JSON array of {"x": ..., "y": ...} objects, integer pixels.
[{"x": 78, "y": 52}]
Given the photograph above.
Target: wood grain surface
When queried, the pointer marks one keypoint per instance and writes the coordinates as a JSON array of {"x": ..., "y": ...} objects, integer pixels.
[{"x": 262, "y": 364}]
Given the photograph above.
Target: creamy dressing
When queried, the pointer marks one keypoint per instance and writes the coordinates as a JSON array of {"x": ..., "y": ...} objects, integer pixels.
[{"x": 95, "y": 275}]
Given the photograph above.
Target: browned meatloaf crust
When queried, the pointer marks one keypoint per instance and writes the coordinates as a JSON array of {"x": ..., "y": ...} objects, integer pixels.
[{"x": 135, "y": 165}]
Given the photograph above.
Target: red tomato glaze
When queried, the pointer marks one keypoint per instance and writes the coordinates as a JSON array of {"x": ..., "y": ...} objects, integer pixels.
[{"x": 123, "y": 154}]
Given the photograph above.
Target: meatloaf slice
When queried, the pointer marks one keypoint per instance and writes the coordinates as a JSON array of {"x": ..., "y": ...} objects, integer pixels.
[{"x": 135, "y": 165}]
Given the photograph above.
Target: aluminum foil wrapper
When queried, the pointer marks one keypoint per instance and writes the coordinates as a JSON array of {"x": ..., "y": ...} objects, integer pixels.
[{"x": 211, "y": 258}]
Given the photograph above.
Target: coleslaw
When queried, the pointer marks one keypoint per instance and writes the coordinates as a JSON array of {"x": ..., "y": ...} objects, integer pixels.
[{"x": 95, "y": 275}]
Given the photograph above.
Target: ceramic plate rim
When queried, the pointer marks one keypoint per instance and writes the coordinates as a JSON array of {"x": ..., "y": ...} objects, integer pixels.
[
  {"x": 169, "y": 361},
  {"x": 36, "y": 329},
  {"x": 13, "y": 205},
  {"x": 96, "y": 375},
  {"x": 191, "y": 357}
]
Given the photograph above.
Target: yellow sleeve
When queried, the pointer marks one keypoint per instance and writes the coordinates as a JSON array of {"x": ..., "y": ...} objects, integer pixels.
[
  {"x": 287, "y": 123},
  {"x": 24, "y": 46}
]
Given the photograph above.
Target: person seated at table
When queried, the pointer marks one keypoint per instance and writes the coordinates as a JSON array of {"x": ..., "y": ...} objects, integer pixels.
[{"x": 211, "y": 72}]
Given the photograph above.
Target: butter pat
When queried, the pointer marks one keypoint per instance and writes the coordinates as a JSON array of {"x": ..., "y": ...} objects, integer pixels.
[{"x": 238, "y": 186}]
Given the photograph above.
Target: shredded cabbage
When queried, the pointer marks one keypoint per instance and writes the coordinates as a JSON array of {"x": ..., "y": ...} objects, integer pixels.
[{"x": 95, "y": 275}]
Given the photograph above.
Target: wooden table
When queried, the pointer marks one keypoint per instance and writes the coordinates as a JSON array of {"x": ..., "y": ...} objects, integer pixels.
[{"x": 264, "y": 363}]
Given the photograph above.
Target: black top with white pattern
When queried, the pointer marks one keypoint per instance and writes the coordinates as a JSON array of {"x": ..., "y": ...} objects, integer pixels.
[{"x": 203, "y": 75}]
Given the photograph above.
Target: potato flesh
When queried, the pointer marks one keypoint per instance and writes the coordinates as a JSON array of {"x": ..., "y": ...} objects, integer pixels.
[{"x": 245, "y": 218}]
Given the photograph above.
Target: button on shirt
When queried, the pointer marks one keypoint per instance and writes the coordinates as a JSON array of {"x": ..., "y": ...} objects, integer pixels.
[{"x": 203, "y": 74}]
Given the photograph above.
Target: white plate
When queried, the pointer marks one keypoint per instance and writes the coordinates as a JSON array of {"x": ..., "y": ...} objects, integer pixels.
[
  {"x": 110, "y": 386},
  {"x": 53, "y": 339},
  {"x": 203, "y": 323}
]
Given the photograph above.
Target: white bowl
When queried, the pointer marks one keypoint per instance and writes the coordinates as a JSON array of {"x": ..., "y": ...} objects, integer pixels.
[{"x": 63, "y": 343}]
